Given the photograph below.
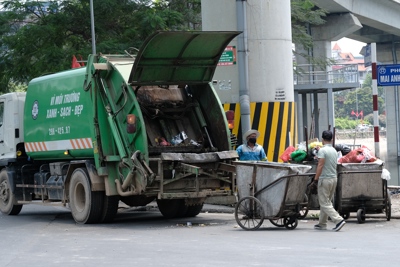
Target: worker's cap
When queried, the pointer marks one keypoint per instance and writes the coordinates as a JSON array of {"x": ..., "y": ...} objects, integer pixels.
[{"x": 249, "y": 132}]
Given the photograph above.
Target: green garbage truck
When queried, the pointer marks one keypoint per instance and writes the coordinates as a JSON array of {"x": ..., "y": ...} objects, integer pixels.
[{"x": 134, "y": 128}]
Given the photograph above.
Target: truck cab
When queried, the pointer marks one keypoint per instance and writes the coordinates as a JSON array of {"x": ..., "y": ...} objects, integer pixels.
[{"x": 11, "y": 126}]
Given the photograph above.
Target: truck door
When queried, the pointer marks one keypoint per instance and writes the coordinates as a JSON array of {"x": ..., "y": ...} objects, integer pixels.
[
  {"x": 2, "y": 152},
  {"x": 168, "y": 58}
]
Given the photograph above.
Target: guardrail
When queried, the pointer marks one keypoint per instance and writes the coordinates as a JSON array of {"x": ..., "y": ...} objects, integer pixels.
[
  {"x": 313, "y": 74},
  {"x": 347, "y": 134}
]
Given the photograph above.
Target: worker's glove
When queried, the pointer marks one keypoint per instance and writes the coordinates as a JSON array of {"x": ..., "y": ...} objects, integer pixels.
[{"x": 313, "y": 187}]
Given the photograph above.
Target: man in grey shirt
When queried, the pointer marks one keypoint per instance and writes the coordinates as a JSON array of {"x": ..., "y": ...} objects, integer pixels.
[{"x": 326, "y": 177}]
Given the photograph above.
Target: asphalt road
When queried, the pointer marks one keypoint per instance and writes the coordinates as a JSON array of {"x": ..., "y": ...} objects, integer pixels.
[{"x": 48, "y": 236}]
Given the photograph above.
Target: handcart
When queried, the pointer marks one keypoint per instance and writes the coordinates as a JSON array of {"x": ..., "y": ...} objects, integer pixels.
[
  {"x": 361, "y": 189},
  {"x": 273, "y": 191},
  {"x": 310, "y": 199}
]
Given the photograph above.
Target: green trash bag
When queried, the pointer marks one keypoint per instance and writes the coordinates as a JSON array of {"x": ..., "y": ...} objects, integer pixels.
[{"x": 298, "y": 155}]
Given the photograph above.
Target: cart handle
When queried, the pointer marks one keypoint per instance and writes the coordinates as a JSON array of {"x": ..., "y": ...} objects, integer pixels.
[
  {"x": 283, "y": 177},
  {"x": 372, "y": 171}
]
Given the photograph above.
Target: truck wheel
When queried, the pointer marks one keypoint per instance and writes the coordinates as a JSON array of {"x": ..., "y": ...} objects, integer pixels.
[
  {"x": 193, "y": 211},
  {"x": 110, "y": 208},
  {"x": 7, "y": 198},
  {"x": 86, "y": 205},
  {"x": 172, "y": 208}
]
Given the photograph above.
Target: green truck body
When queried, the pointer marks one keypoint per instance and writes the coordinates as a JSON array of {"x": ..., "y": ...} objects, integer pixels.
[{"x": 130, "y": 128}]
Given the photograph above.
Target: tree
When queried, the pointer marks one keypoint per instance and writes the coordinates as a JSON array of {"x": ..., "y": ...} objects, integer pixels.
[
  {"x": 359, "y": 100},
  {"x": 304, "y": 13},
  {"x": 40, "y": 37},
  {"x": 190, "y": 10}
]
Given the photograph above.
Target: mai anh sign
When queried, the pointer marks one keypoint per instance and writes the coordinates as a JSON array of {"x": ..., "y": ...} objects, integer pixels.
[{"x": 388, "y": 75}]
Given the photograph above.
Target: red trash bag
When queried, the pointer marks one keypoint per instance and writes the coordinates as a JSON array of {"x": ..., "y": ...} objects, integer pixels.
[
  {"x": 351, "y": 157},
  {"x": 367, "y": 155},
  {"x": 286, "y": 154}
]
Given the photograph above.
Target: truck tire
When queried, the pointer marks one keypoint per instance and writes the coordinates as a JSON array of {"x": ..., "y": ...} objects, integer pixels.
[
  {"x": 172, "y": 208},
  {"x": 86, "y": 205},
  {"x": 110, "y": 208},
  {"x": 193, "y": 211},
  {"x": 7, "y": 198}
]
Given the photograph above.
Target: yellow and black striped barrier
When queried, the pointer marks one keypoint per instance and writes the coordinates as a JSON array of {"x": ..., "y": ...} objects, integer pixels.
[{"x": 276, "y": 123}]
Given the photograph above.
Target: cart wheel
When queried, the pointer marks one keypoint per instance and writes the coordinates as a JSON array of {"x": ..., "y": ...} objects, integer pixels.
[
  {"x": 249, "y": 213},
  {"x": 345, "y": 215},
  {"x": 290, "y": 222},
  {"x": 361, "y": 215},
  {"x": 304, "y": 209},
  {"x": 388, "y": 206},
  {"x": 277, "y": 222}
]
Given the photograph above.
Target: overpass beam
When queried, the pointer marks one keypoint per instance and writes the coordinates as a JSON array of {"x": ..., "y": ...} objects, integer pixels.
[{"x": 336, "y": 27}]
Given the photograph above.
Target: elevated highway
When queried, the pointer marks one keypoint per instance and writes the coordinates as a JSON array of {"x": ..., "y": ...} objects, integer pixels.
[
  {"x": 368, "y": 21},
  {"x": 380, "y": 20}
]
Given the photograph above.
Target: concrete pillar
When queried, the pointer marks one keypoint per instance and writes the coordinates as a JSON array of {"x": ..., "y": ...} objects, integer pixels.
[
  {"x": 221, "y": 16},
  {"x": 270, "y": 69},
  {"x": 305, "y": 118},
  {"x": 270, "y": 48},
  {"x": 390, "y": 54},
  {"x": 322, "y": 49}
]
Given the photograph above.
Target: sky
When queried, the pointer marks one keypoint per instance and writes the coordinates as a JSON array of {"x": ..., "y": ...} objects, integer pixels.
[{"x": 349, "y": 45}]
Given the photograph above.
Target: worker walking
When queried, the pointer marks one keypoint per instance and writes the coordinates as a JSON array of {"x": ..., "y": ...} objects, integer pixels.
[
  {"x": 251, "y": 150},
  {"x": 326, "y": 177}
]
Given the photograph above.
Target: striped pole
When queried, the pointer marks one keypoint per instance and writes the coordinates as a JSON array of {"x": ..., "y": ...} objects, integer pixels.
[{"x": 375, "y": 98}]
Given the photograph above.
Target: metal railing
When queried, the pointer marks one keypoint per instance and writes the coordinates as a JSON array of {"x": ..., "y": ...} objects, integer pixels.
[{"x": 313, "y": 74}]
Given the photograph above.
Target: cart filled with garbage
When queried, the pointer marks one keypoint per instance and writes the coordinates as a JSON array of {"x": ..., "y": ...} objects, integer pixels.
[
  {"x": 362, "y": 188},
  {"x": 305, "y": 153},
  {"x": 273, "y": 191}
]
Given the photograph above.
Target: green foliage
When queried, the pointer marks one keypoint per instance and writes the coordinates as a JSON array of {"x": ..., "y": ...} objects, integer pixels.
[
  {"x": 346, "y": 123},
  {"x": 17, "y": 87},
  {"x": 303, "y": 14},
  {"x": 369, "y": 118},
  {"x": 190, "y": 11},
  {"x": 35, "y": 41},
  {"x": 358, "y": 100}
]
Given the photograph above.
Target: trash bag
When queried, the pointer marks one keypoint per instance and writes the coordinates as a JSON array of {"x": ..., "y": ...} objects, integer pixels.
[
  {"x": 366, "y": 155},
  {"x": 314, "y": 145},
  {"x": 350, "y": 157},
  {"x": 312, "y": 154},
  {"x": 385, "y": 174},
  {"x": 345, "y": 149},
  {"x": 298, "y": 155},
  {"x": 359, "y": 155},
  {"x": 286, "y": 154}
]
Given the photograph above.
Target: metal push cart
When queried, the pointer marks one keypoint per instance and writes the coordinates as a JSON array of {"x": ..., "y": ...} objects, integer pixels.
[
  {"x": 361, "y": 189},
  {"x": 273, "y": 191}
]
